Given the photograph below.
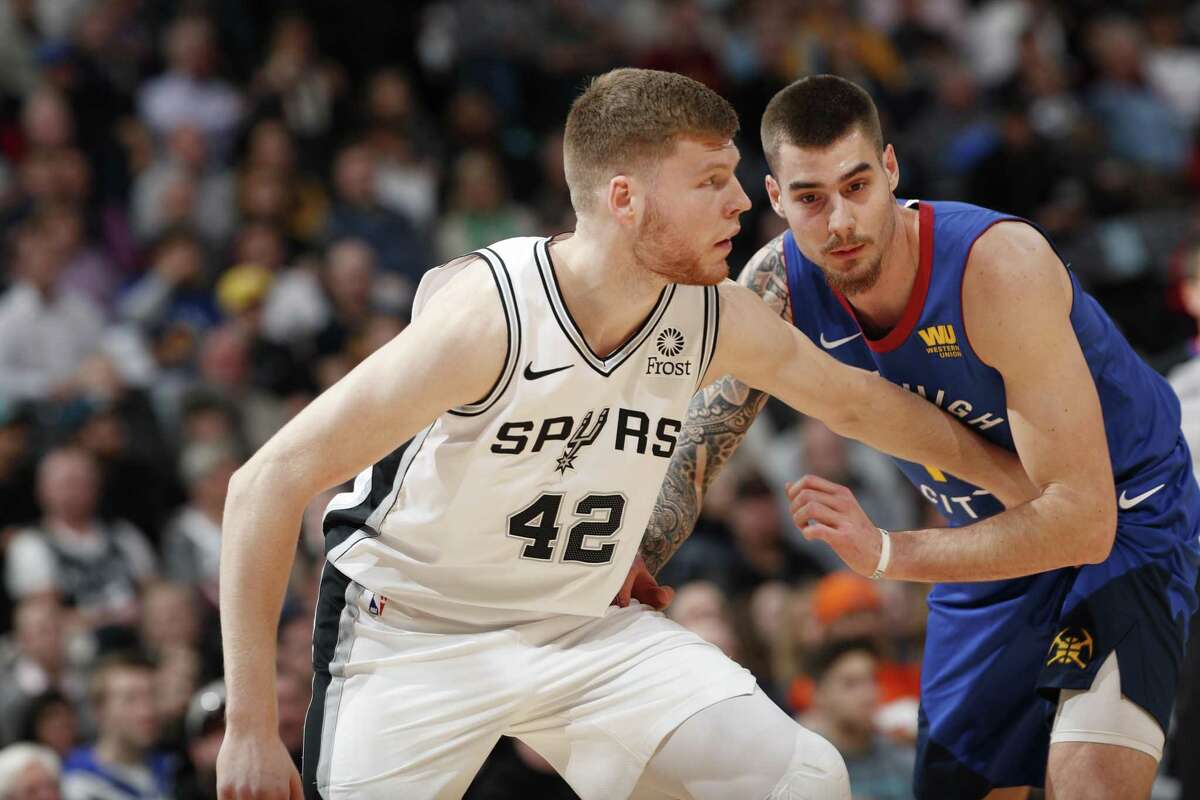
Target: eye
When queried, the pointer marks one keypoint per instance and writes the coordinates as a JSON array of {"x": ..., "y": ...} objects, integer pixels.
[
  {"x": 808, "y": 199},
  {"x": 857, "y": 185}
]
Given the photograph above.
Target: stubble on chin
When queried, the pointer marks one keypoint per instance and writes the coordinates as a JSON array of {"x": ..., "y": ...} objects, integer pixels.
[{"x": 857, "y": 281}]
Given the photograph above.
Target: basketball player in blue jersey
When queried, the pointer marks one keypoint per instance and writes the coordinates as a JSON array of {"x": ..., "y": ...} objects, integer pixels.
[
  {"x": 1056, "y": 628},
  {"x": 506, "y": 450}
]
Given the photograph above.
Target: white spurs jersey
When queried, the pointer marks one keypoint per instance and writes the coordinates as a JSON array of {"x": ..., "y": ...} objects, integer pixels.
[{"x": 533, "y": 501}]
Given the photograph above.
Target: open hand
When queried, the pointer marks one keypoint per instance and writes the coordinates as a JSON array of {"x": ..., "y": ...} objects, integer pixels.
[
  {"x": 827, "y": 511},
  {"x": 640, "y": 585}
]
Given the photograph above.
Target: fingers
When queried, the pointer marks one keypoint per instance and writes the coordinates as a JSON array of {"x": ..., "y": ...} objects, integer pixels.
[
  {"x": 821, "y": 533},
  {"x": 817, "y": 484},
  {"x": 622, "y": 598},
  {"x": 816, "y": 512}
]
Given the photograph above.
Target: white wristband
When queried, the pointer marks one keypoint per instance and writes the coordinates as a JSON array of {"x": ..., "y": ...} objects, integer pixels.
[{"x": 885, "y": 555}]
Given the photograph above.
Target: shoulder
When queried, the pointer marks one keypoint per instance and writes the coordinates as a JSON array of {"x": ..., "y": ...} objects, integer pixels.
[
  {"x": 1011, "y": 252},
  {"x": 464, "y": 293},
  {"x": 1011, "y": 262}
]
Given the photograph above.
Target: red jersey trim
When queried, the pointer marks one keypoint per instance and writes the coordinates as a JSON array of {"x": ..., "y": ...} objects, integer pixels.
[{"x": 916, "y": 299}]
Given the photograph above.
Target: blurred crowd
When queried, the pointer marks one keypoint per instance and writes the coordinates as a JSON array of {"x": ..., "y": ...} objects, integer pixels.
[{"x": 210, "y": 211}]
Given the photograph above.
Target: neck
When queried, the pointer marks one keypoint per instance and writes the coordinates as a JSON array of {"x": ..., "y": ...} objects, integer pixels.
[
  {"x": 608, "y": 292},
  {"x": 113, "y": 751},
  {"x": 849, "y": 739},
  {"x": 213, "y": 509},
  {"x": 74, "y": 523},
  {"x": 881, "y": 306}
]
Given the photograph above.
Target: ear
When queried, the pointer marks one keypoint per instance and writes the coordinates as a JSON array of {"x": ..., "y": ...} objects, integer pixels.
[
  {"x": 775, "y": 193},
  {"x": 891, "y": 166},
  {"x": 622, "y": 202}
]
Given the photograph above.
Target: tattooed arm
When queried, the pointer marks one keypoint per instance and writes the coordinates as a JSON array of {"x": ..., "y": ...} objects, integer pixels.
[{"x": 717, "y": 421}]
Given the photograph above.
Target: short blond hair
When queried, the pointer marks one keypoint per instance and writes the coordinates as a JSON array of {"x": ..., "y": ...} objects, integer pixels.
[{"x": 627, "y": 117}]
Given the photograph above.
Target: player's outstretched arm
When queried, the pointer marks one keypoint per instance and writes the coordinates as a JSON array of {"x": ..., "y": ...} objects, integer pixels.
[
  {"x": 717, "y": 421},
  {"x": 773, "y": 356},
  {"x": 1016, "y": 307},
  {"x": 449, "y": 356}
]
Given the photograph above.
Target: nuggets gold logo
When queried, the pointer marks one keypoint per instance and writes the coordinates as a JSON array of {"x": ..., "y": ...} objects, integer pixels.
[
  {"x": 940, "y": 341},
  {"x": 1071, "y": 646}
]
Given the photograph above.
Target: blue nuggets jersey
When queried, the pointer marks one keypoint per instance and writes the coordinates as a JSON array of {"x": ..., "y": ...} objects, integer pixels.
[
  {"x": 929, "y": 353},
  {"x": 998, "y": 652}
]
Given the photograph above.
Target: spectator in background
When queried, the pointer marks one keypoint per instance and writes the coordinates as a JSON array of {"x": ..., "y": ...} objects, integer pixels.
[
  {"x": 480, "y": 212},
  {"x": 348, "y": 283},
  {"x": 20, "y": 31},
  {"x": 88, "y": 270},
  {"x": 849, "y": 606},
  {"x": 51, "y": 720},
  {"x": 46, "y": 120},
  {"x": 29, "y": 772},
  {"x": 845, "y": 703},
  {"x": 45, "y": 331},
  {"x": 185, "y": 186},
  {"x": 225, "y": 373},
  {"x": 294, "y": 694},
  {"x": 121, "y": 765},
  {"x": 95, "y": 567},
  {"x": 877, "y": 483},
  {"x": 17, "y": 505},
  {"x": 35, "y": 662},
  {"x": 357, "y": 214},
  {"x": 1173, "y": 61},
  {"x": 295, "y": 83},
  {"x": 174, "y": 287},
  {"x": 1141, "y": 128},
  {"x": 171, "y": 619},
  {"x": 761, "y": 551},
  {"x": 204, "y": 727},
  {"x": 271, "y": 150},
  {"x": 188, "y": 92},
  {"x": 192, "y": 543},
  {"x": 399, "y": 135},
  {"x": 701, "y": 607}
]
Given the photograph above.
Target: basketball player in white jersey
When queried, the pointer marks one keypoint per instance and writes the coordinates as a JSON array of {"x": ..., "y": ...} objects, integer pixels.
[{"x": 509, "y": 447}]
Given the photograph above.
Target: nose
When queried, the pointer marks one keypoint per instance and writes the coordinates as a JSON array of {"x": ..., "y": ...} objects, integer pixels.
[
  {"x": 841, "y": 220},
  {"x": 740, "y": 202}
]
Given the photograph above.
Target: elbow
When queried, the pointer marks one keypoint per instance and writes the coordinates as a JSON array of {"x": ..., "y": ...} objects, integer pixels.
[
  {"x": 843, "y": 419},
  {"x": 1102, "y": 525}
]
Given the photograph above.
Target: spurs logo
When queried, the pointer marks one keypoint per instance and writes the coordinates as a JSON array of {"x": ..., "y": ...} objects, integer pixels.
[{"x": 582, "y": 437}]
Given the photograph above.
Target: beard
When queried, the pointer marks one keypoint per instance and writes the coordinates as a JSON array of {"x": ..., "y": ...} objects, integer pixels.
[
  {"x": 660, "y": 250},
  {"x": 855, "y": 280}
]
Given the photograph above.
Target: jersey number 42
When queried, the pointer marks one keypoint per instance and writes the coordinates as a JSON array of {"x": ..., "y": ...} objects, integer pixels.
[{"x": 590, "y": 540}]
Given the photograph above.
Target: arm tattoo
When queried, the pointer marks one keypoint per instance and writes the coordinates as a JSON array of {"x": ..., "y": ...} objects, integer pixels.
[{"x": 717, "y": 421}]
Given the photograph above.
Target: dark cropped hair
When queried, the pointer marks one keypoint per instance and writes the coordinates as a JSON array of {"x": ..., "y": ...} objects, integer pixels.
[{"x": 816, "y": 112}]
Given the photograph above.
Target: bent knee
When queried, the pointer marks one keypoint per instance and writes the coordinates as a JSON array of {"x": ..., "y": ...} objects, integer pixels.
[{"x": 817, "y": 771}]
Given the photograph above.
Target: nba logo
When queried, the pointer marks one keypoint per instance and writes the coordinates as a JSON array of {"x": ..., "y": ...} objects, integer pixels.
[{"x": 376, "y": 608}]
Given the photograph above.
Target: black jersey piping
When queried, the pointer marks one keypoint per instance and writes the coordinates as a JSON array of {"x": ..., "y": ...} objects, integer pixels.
[
  {"x": 513, "y": 327},
  {"x": 619, "y": 356}
]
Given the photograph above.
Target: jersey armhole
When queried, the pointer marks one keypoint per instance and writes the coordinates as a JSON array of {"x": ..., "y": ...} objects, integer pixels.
[
  {"x": 512, "y": 324},
  {"x": 712, "y": 325}
]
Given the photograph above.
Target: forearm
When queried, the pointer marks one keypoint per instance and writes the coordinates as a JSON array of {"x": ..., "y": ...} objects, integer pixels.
[
  {"x": 718, "y": 419},
  {"x": 1053, "y": 531},
  {"x": 906, "y": 426},
  {"x": 258, "y": 546}
]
